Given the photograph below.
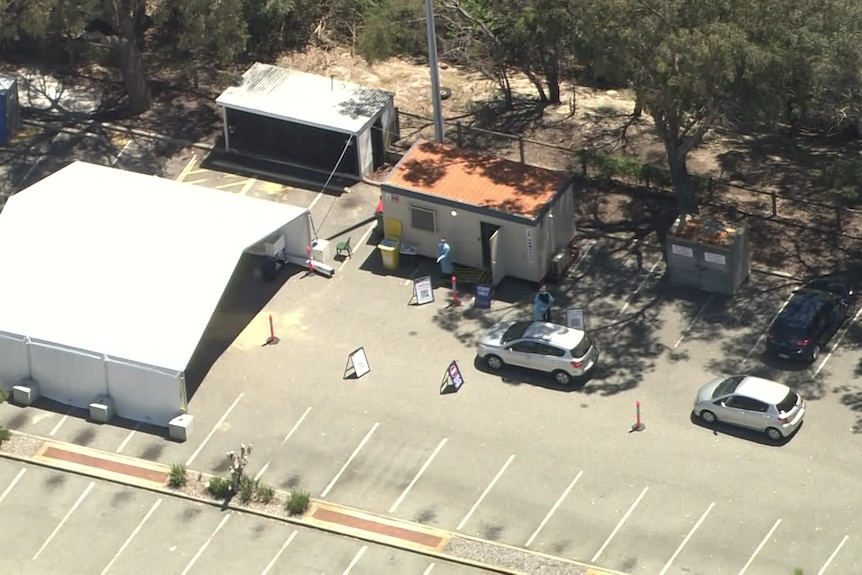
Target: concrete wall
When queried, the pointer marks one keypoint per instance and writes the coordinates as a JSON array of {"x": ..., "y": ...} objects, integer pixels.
[
  {"x": 14, "y": 360},
  {"x": 145, "y": 393},
  {"x": 65, "y": 374}
]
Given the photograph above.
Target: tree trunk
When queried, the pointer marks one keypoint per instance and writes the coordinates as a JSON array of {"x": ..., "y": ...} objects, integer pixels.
[
  {"x": 537, "y": 82},
  {"x": 682, "y": 184},
  {"x": 639, "y": 107},
  {"x": 552, "y": 78},
  {"x": 132, "y": 67}
]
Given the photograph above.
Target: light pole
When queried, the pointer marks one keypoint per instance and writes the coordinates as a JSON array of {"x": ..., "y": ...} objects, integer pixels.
[{"x": 435, "y": 72}]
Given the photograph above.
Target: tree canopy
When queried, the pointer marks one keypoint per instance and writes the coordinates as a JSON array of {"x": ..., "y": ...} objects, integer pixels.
[{"x": 692, "y": 64}]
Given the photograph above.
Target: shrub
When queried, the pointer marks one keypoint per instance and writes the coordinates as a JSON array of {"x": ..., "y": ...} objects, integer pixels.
[
  {"x": 247, "y": 487},
  {"x": 178, "y": 476},
  {"x": 219, "y": 487},
  {"x": 297, "y": 502},
  {"x": 5, "y": 434},
  {"x": 265, "y": 494}
]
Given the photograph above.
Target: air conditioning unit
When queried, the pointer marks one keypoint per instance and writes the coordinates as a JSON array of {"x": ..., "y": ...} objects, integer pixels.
[
  {"x": 559, "y": 264},
  {"x": 320, "y": 251}
]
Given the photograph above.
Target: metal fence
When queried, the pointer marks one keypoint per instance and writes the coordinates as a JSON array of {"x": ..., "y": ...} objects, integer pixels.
[{"x": 834, "y": 218}]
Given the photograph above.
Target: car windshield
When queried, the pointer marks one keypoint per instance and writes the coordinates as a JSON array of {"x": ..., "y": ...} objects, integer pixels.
[
  {"x": 788, "y": 403},
  {"x": 582, "y": 348},
  {"x": 515, "y": 331},
  {"x": 727, "y": 386}
]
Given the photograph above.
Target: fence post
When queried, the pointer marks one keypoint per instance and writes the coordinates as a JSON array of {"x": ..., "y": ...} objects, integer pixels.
[
  {"x": 774, "y": 197},
  {"x": 459, "y": 134},
  {"x": 521, "y": 149}
]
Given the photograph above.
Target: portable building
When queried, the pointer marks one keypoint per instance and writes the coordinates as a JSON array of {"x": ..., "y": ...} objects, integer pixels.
[
  {"x": 503, "y": 216},
  {"x": 310, "y": 121},
  {"x": 112, "y": 278}
]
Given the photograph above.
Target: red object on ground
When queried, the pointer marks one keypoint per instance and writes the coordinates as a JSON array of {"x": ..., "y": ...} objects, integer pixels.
[
  {"x": 379, "y": 209},
  {"x": 310, "y": 261},
  {"x": 455, "y": 300},
  {"x": 271, "y": 328}
]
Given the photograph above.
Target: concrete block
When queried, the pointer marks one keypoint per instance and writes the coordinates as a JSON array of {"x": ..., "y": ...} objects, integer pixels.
[
  {"x": 25, "y": 393},
  {"x": 180, "y": 427},
  {"x": 102, "y": 409}
]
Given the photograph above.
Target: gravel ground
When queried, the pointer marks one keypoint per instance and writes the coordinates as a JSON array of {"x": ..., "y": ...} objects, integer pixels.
[
  {"x": 196, "y": 487},
  {"x": 519, "y": 560},
  {"x": 21, "y": 445}
]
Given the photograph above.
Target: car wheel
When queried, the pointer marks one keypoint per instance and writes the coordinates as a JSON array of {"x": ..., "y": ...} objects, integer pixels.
[
  {"x": 494, "y": 362},
  {"x": 815, "y": 353},
  {"x": 708, "y": 416},
  {"x": 773, "y": 434},
  {"x": 562, "y": 378}
]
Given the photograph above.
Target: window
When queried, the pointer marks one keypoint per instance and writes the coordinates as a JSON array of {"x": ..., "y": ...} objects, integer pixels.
[
  {"x": 545, "y": 349},
  {"x": 746, "y": 403},
  {"x": 582, "y": 348},
  {"x": 423, "y": 219},
  {"x": 525, "y": 347}
]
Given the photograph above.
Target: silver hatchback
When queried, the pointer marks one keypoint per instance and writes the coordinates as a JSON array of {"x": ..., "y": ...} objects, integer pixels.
[
  {"x": 751, "y": 402},
  {"x": 556, "y": 349}
]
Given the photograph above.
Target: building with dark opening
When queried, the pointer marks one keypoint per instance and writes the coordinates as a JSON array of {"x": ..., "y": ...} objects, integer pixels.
[{"x": 314, "y": 122}]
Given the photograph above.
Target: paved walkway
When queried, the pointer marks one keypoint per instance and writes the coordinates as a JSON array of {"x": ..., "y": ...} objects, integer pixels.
[{"x": 330, "y": 517}]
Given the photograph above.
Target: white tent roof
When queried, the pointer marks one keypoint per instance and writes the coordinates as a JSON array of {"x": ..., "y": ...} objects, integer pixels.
[
  {"x": 124, "y": 264},
  {"x": 305, "y": 98}
]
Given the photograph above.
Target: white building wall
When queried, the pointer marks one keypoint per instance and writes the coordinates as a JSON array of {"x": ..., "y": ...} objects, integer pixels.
[
  {"x": 67, "y": 375},
  {"x": 14, "y": 360},
  {"x": 144, "y": 393}
]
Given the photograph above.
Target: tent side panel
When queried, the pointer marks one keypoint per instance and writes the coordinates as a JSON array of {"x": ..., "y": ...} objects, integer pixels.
[
  {"x": 144, "y": 393},
  {"x": 297, "y": 235},
  {"x": 14, "y": 361},
  {"x": 67, "y": 375},
  {"x": 365, "y": 150}
]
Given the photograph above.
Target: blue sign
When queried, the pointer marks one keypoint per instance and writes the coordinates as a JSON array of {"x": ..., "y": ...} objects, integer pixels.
[{"x": 483, "y": 296}]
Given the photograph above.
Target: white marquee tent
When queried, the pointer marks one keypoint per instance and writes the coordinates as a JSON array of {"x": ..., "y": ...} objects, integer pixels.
[{"x": 110, "y": 279}]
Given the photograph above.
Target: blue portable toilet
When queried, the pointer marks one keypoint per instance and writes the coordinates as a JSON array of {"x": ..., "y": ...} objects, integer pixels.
[{"x": 10, "y": 113}]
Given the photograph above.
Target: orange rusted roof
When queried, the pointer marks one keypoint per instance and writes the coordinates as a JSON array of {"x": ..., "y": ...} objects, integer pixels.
[{"x": 472, "y": 178}]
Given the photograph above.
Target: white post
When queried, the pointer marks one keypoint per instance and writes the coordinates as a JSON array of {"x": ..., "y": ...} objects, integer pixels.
[
  {"x": 226, "y": 136},
  {"x": 435, "y": 72}
]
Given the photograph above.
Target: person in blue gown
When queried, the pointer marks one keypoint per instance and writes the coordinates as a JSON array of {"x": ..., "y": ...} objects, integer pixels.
[{"x": 444, "y": 257}]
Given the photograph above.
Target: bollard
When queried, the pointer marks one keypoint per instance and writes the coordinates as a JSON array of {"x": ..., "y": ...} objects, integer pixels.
[
  {"x": 639, "y": 425},
  {"x": 455, "y": 299},
  {"x": 271, "y": 340}
]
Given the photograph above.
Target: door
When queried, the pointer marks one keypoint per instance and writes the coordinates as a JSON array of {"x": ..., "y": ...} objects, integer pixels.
[
  {"x": 521, "y": 354},
  {"x": 497, "y": 271},
  {"x": 378, "y": 152}
]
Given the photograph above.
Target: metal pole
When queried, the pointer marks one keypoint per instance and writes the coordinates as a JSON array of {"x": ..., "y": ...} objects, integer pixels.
[{"x": 435, "y": 72}]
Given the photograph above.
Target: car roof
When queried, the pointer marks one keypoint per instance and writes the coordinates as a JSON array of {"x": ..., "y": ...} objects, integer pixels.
[
  {"x": 802, "y": 307},
  {"x": 764, "y": 390},
  {"x": 554, "y": 334}
]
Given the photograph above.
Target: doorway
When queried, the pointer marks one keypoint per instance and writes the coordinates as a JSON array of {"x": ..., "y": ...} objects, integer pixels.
[{"x": 487, "y": 230}]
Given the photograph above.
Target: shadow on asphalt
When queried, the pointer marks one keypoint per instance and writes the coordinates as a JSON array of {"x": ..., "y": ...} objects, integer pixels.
[
  {"x": 720, "y": 428},
  {"x": 520, "y": 376}
]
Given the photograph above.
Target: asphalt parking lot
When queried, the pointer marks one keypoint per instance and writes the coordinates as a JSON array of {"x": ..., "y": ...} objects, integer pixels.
[
  {"x": 80, "y": 526},
  {"x": 513, "y": 458}
]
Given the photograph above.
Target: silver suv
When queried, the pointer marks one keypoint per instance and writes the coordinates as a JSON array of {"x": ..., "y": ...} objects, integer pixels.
[
  {"x": 751, "y": 402},
  {"x": 564, "y": 352}
]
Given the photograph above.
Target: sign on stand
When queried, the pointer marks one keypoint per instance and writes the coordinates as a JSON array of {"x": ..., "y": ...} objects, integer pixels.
[
  {"x": 483, "y": 296},
  {"x": 453, "y": 380},
  {"x": 575, "y": 318},
  {"x": 423, "y": 290},
  {"x": 357, "y": 364}
]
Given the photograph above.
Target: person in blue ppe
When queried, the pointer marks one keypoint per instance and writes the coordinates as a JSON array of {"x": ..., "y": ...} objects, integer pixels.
[
  {"x": 542, "y": 305},
  {"x": 444, "y": 257}
]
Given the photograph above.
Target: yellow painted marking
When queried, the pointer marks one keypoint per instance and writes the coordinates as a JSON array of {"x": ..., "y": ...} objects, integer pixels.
[
  {"x": 232, "y": 185},
  {"x": 247, "y": 187},
  {"x": 202, "y": 181},
  {"x": 188, "y": 168},
  {"x": 271, "y": 187}
]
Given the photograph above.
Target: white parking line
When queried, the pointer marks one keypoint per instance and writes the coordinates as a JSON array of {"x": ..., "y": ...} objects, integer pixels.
[
  {"x": 619, "y": 526},
  {"x": 418, "y": 475},
  {"x": 206, "y": 544},
  {"x": 355, "y": 559},
  {"x": 428, "y": 570},
  {"x": 12, "y": 485},
  {"x": 582, "y": 256},
  {"x": 272, "y": 563},
  {"x": 127, "y": 439},
  {"x": 686, "y": 539},
  {"x": 484, "y": 493},
  {"x": 362, "y": 241},
  {"x": 832, "y": 557},
  {"x": 694, "y": 321},
  {"x": 134, "y": 534},
  {"x": 759, "y": 548},
  {"x": 837, "y": 343},
  {"x": 283, "y": 441},
  {"x": 65, "y": 518},
  {"x": 763, "y": 335},
  {"x": 350, "y": 459},
  {"x": 640, "y": 285},
  {"x": 553, "y": 510},
  {"x": 215, "y": 428},
  {"x": 57, "y": 427},
  {"x": 315, "y": 200},
  {"x": 122, "y": 151}
]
